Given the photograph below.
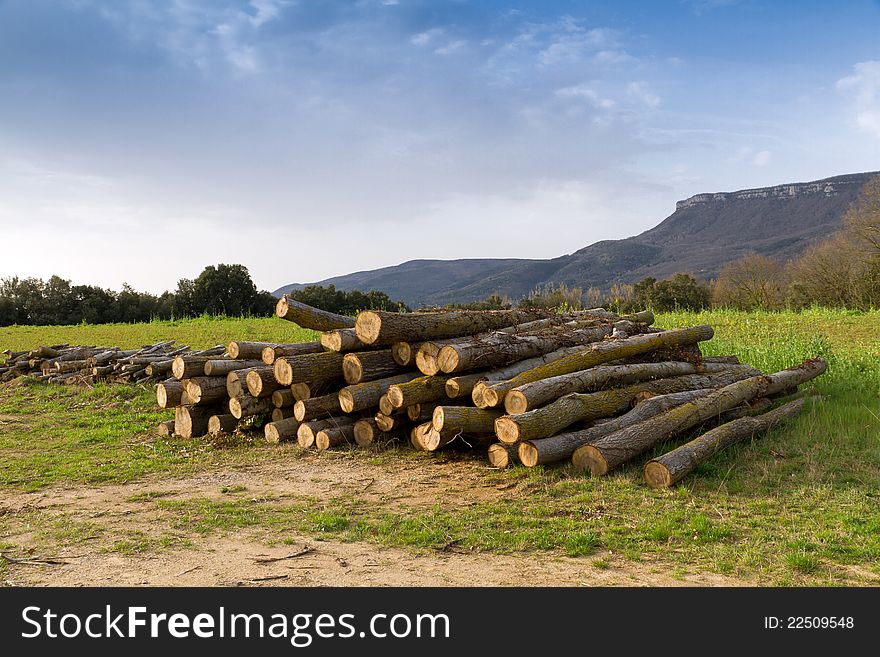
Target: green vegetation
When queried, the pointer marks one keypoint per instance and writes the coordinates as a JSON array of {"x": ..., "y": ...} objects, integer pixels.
[{"x": 801, "y": 505}]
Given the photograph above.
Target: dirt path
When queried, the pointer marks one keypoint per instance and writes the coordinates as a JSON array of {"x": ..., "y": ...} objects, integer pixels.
[{"x": 246, "y": 557}]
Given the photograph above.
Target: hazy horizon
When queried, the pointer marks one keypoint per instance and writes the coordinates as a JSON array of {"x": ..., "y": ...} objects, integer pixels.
[{"x": 141, "y": 142}]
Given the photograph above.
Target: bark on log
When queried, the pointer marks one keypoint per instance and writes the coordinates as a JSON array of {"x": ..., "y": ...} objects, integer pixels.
[
  {"x": 578, "y": 407},
  {"x": 305, "y": 435},
  {"x": 309, "y": 317},
  {"x": 341, "y": 340},
  {"x": 168, "y": 394},
  {"x": 675, "y": 465},
  {"x": 160, "y": 367},
  {"x": 192, "y": 421},
  {"x": 405, "y": 352},
  {"x": 186, "y": 367},
  {"x": 236, "y": 382},
  {"x": 281, "y": 430},
  {"x": 308, "y": 367},
  {"x": 282, "y": 398},
  {"x": 317, "y": 407},
  {"x": 377, "y": 327},
  {"x": 261, "y": 381},
  {"x": 365, "y": 431},
  {"x": 385, "y": 406},
  {"x": 271, "y": 354},
  {"x": 532, "y": 395},
  {"x": 417, "y": 391},
  {"x": 596, "y": 354},
  {"x": 224, "y": 423},
  {"x": 206, "y": 389},
  {"x": 464, "y": 419},
  {"x": 245, "y": 405},
  {"x": 282, "y": 413},
  {"x": 391, "y": 422},
  {"x": 366, "y": 395},
  {"x": 422, "y": 412},
  {"x": 301, "y": 391},
  {"x": 361, "y": 366},
  {"x": 610, "y": 451},
  {"x": 327, "y": 438},
  {"x": 165, "y": 428},
  {"x": 247, "y": 350},
  {"x": 562, "y": 446},
  {"x": 224, "y": 367},
  {"x": 501, "y": 455},
  {"x": 419, "y": 434}
]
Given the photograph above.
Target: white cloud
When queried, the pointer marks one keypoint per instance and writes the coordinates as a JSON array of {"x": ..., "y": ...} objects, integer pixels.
[
  {"x": 641, "y": 92},
  {"x": 427, "y": 37},
  {"x": 450, "y": 48},
  {"x": 587, "y": 93},
  {"x": 762, "y": 158},
  {"x": 864, "y": 86}
]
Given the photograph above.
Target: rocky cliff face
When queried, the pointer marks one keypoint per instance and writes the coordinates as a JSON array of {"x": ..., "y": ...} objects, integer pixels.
[{"x": 704, "y": 233}]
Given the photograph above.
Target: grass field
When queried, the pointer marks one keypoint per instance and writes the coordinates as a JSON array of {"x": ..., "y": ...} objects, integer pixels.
[{"x": 801, "y": 506}]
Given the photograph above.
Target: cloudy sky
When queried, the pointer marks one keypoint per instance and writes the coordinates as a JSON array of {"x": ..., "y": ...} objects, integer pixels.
[{"x": 141, "y": 141}]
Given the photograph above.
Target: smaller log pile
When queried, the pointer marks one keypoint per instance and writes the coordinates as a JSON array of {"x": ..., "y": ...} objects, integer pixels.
[
  {"x": 84, "y": 364},
  {"x": 591, "y": 388}
]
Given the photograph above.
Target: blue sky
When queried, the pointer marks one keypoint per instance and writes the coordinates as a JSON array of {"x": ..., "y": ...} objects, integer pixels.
[{"x": 142, "y": 141}]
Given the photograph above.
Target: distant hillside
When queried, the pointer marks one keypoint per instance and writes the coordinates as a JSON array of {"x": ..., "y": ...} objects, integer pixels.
[{"x": 704, "y": 233}]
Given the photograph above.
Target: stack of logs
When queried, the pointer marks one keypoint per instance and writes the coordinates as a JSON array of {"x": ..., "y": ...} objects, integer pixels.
[
  {"x": 591, "y": 387},
  {"x": 63, "y": 363}
]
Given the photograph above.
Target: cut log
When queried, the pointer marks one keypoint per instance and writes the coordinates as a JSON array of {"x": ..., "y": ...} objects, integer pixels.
[
  {"x": 532, "y": 395},
  {"x": 309, "y": 317},
  {"x": 282, "y": 398},
  {"x": 419, "y": 434},
  {"x": 327, "y": 438},
  {"x": 501, "y": 455},
  {"x": 493, "y": 393},
  {"x": 186, "y": 367},
  {"x": 224, "y": 367},
  {"x": 271, "y": 354},
  {"x": 301, "y": 391},
  {"x": 261, "y": 381},
  {"x": 675, "y": 465},
  {"x": 341, "y": 340},
  {"x": 427, "y": 358},
  {"x": 308, "y": 367},
  {"x": 578, "y": 407},
  {"x": 465, "y": 419},
  {"x": 236, "y": 382},
  {"x": 168, "y": 394},
  {"x": 317, "y": 407},
  {"x": 206, "y": 389},
  {"x": 248, "y": 350},
  {"x": 434, "y": 440},
  {"x": 305, "y": 435},
  {"x": 159, "y": 368},
  {"x": 391, "y": 422},
  {"x": 421, "y": 412},
  {"x": 363, "y": 366},
  {"x": 366, "y": 395},
  {"x": 616, "y": 448},
  {"x": 405, "y": 352},
  {"x": 282, "y": 413},
  {"x": 378, "y": 327},
  {"x": 385, "y": 406},
  {"x": 192, "y": 421},
  {"x": 417, "y": 391},
  {"x": 224, "y": 423},
  {"x": 281, "y": 430},
  {"x": 165, "y": 428},
  {"x": 365, "y": 431},
  {"x": 245, "y": 405},
  {"x": 562, "y": 446}
]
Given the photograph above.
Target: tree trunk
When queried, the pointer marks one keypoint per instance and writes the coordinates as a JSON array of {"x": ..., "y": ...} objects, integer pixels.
[
  {"x": 247, "y": 350},
  {"x": 310, "y": 318},
  {"x": 192, "y": 421},
  {"x": 427, "y": 358},
  {"x": 363, "y": 366},
  {"x": 308, "y": 367},
  {"x": 577, "y": 407},
  {"x": 236, "y": 382},
  {"x": 675, "y": 465},
  {"x": 532, "y": 395},
  {"x": 386, "y": 408},
  {"x": 186, "y": 367},
  {"x": 165, "y": 428},
  {"x": 206, "y": 389},
  {"x": 341, "y": 340},
  {"x": 283, "y": 398},
  {"x": 366, "y": 395},
  {"x": 224, "y": 367},
  {"x": 418, "y": 435},
  {"x": 501, "y": 455},
  {"x": 367, "y": 432},
  {"x": 261, "y": 381},
  {"x": 405, "y": 352},
  {"x": 158, "y": 368},
  {"x": 391, "y": 422},
  {"x": 245, "y": 406},
  {"x": 596, "y": 354},
  {"x": 168, "y": 394},
  {"x": 226, "y": 423},
  {"x": 316, "y": 407},
  {"x": 378, "y": 327},
  {"x": 305, "y": 435},
  {"x": 272, "y": 353},
  {"x": 610, "y": 451},
  {"x": 464, "y": 419},
  {"x": 282, "y": 413},
  {"x": 281, "y": 430},
  {"x": 417, "y": 391},
  {"x": 327, "y": 438},
  {"x": 561, "y": 446},
  {"x": 422, "y": 412}
]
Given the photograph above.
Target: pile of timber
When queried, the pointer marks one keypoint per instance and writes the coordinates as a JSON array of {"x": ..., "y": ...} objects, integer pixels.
[
  {"x": 88, "y": 364},
  {"x": 591, "y": 387}
]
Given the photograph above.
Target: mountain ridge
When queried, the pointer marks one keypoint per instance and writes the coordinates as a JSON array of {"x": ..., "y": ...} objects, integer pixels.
[{"x": 705, "y": 232}]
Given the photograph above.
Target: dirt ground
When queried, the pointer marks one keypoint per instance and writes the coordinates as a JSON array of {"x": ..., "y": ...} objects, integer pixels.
[{"x": 247, "y": 558}]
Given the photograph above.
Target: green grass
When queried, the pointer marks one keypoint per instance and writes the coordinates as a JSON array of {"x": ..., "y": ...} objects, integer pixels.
[{"x": 799, "y": 506}]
